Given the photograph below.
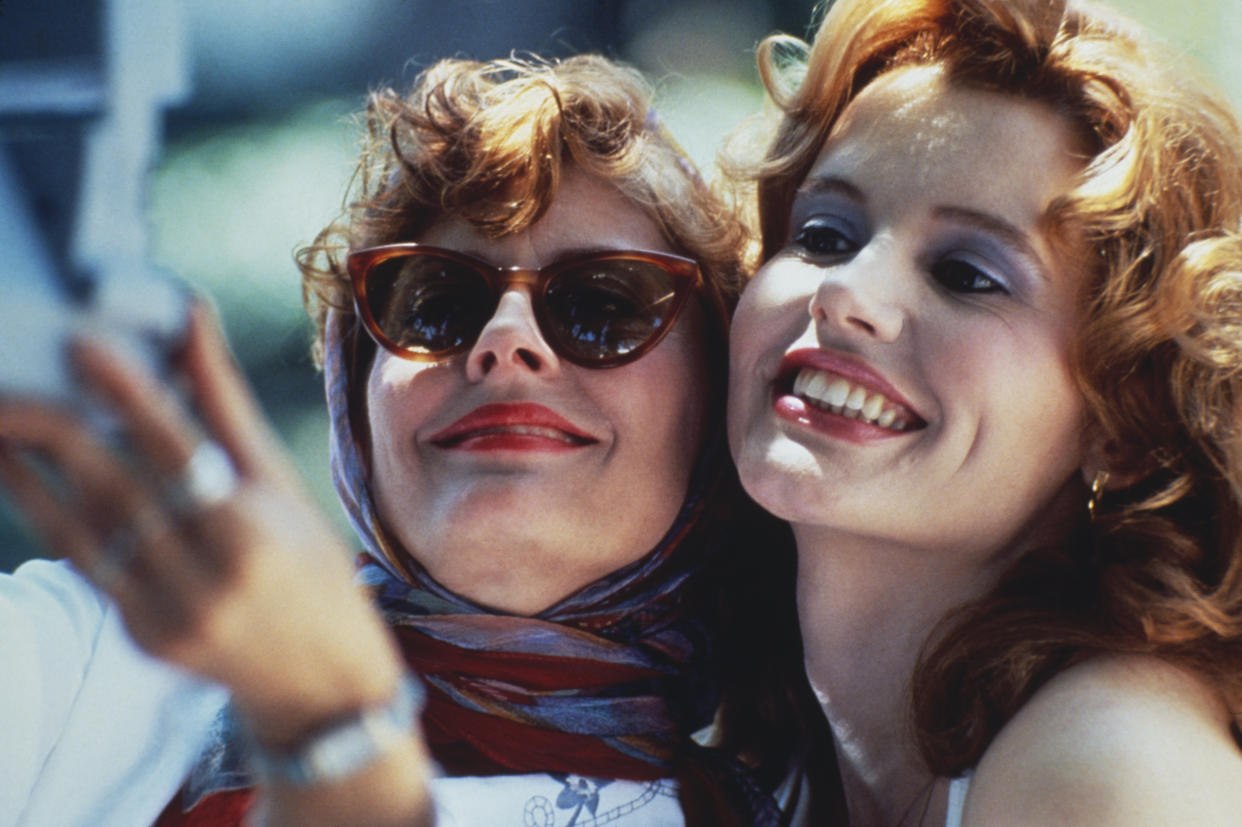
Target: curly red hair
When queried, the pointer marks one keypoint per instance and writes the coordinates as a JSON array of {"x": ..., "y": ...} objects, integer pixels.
[
  {"x": 1158, "y": 208},
  {"x": 488, "y": 142}
]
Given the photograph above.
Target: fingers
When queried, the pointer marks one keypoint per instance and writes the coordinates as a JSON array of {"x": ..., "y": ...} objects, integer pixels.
[
  {"x": 193, "y": 580},
  {"x": 150, "y": 413},
  {"x": 224, "y": 400},
  {"x": 89, "y": 508},
  {"x": 157, "y": 422},
  {"x": 82, "y": 470},
  {"x": 84, "y": 506},
  {"x": 165, "y": 466},
  {"x": 194, "y": 474},
  {"x": 42, "y": 510}
]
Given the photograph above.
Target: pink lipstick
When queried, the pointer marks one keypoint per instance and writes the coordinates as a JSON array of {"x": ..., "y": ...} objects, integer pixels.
[{"x": 841, "y": 396}]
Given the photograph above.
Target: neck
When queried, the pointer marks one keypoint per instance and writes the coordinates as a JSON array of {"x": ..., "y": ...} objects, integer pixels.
[{"x": 866, "y": 609}]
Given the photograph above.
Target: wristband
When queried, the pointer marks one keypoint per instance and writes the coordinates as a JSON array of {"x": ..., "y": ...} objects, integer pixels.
[{"x": 344, "y": 748}]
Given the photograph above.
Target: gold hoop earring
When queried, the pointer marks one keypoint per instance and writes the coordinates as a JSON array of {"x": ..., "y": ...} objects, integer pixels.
[{"x": 1097, "y": 492}]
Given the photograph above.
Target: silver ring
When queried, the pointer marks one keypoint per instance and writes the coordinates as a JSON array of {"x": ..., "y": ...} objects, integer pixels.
[
  {"x": 114, "y": 558},
  {"x": 207, "y": 480}
]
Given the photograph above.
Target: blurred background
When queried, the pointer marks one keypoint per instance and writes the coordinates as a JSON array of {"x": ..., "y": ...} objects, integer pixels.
[{"x": 254, "y": 152}]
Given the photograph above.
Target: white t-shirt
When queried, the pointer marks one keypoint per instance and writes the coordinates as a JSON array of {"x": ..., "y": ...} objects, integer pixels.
[
  {"x": 94, "y": 732},
  {"x": 547, "y": 801}
]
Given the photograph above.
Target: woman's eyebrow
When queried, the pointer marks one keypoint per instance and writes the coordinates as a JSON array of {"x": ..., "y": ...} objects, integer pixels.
[
  {"x": 995, "y": 226},
  {"x": 826, "y": 184}
]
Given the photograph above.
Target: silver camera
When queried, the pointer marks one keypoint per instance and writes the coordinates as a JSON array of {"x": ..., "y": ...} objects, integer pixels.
[
  {"x": 75, "y": 251},
  {"x": 42, "y": 308}
]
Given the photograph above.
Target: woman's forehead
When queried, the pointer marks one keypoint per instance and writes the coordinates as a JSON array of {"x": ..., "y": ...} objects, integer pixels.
[
  {"x": 916, "y": 132},
  {"x": 587, "y": 213}
]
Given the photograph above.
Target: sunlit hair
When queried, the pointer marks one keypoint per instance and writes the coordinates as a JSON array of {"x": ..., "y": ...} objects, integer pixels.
[
  {"x": 1155, "y": 212},
  {"x": 489, "y": 142}
]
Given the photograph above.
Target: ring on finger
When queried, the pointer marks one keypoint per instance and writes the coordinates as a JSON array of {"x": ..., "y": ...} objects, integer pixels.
[{"x": 206, "y": 481}]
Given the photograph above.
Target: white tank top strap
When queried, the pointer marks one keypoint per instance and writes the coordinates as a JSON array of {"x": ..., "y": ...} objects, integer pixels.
[{"x": 957, "y": 800}]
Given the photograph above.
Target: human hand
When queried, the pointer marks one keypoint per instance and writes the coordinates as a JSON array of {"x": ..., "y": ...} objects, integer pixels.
[{"x": 247, "y": 585}]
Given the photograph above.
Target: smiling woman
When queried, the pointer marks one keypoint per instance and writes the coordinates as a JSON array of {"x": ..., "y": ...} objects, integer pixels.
[
  {"x": 522, "y": 318},
  {"x": 464, "y": 452},
  {"x": 978, "y": 373},
  {"x": 989, "y": 371}
]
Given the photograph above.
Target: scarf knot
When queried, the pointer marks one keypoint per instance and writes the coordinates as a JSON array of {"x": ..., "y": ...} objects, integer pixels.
[{"x": 610, "y": 681}]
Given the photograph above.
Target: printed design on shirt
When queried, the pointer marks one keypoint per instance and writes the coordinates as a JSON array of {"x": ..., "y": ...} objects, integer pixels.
[
  {"x": 580, "y": 798},
  {"x": 538, "y": 812},
  {"x": 579, "y": 792}
]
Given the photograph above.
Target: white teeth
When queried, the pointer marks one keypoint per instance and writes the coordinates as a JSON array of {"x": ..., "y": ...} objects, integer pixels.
[
  {"x": 525, "y": 430},
  {"x": 872, "y": 407},
  {"x": 801, "y": 381},
  {"x": 837, "y": 394},
  {"x": 817, "y": 385}
]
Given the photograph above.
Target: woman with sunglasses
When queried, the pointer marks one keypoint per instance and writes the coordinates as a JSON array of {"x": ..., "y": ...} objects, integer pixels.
[
  {"x": 990, "y": 372},
  {"x": 521, "y": 319}
]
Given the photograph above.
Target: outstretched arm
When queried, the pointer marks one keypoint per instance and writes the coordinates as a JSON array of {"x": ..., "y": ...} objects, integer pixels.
[{"x": 243, "y": 582}]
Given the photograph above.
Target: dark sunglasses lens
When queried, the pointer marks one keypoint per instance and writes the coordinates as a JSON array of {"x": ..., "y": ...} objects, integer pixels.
[
  {"x": 428, "y": 303},
  {"x": 606, "y": 309}
]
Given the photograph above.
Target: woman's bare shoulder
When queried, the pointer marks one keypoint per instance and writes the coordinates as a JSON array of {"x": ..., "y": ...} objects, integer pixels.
[{"x": 1116, "y": 740}]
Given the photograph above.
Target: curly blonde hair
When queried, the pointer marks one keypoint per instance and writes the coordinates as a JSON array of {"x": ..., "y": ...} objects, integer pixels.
[
  {"x": 1158, "y": 357},
  {"x": 488, "y": 142}
]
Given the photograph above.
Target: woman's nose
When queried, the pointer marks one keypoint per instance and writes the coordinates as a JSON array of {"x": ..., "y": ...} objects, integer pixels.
[
  {"x": 511, "y": 341},
  {"x": 862, "y": 297}
]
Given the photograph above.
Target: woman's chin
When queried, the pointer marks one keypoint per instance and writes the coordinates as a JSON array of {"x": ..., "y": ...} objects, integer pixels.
[{"x": 781, "y": 476}]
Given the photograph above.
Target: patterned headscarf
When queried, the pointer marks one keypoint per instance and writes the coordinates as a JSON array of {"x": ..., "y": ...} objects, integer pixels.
[
  {"x": 610, "y": 682},
  {"x": 613, "y": 677}
]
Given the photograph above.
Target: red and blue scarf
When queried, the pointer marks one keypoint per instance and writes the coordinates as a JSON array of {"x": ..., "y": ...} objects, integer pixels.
[{"x": 610, "y": 682}]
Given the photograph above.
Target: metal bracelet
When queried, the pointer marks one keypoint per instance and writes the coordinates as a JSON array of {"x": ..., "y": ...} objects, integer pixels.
[{"x": 347, "y": 747}]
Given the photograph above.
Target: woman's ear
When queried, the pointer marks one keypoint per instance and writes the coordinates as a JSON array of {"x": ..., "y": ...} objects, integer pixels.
[{"x": 1116, "y": 461}]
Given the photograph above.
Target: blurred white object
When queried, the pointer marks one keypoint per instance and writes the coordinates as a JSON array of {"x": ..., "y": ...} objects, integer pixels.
[{"x": 112, "y": 287}]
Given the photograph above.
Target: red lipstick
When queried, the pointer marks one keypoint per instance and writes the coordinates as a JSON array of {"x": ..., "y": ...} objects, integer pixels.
[{"x": 520, "y": 426}]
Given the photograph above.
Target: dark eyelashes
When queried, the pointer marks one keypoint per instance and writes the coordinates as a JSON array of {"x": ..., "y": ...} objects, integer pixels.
[
  {"x": 823, "y": 238},
  {"x": 952, "y": 270},
  {"x": 958, "y": 276}
]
